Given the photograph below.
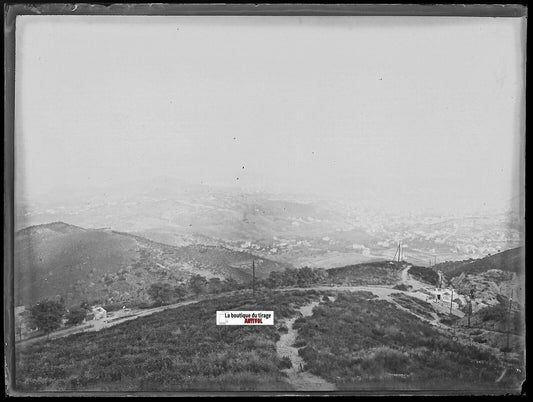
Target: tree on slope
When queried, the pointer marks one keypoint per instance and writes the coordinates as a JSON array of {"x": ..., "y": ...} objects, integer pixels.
[
  {"x": 76, "y": 315},
  {"x": 47, "y": 315},
  {"x": 161, "y": 293}
]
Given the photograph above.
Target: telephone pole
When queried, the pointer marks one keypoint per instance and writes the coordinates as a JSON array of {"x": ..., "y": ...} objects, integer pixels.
[
  {"x": 509, "y": 319},
  {"x": 253, "y": 277},
  {"x": 399, "y": 252},
  {"x": 451, "y": 302},
  {"x": 469, "y": 312}
]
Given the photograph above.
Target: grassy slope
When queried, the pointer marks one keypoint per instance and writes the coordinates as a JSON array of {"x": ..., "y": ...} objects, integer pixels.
[
  {"x": 424, "y": 274},
  {"x": 77, "y": 263},
  {"x": 176, "y": 350},
  {"x": 375, "y": 273},
  {"x": 49, "y": 263},
  {"x": 510, "y": 260},
  {"x": 360, "y": 343},
  {"x": 356, "y": 342}
]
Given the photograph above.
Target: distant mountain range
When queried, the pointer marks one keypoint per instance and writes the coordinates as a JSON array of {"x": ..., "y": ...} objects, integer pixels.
[
  {"x": 89, "y": 264},
  {"x": 77, "y": 264},
  {"x": 296, "y": 230}
]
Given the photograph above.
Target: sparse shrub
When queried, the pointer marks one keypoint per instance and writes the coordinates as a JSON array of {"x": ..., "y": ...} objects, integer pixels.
[
  {"x": 46, "y": 315},
  {"x": 308, "y": 353},
  {"x": 378, "y": 331},
  {"x": 493, "y": 313},
  {"x": 113, "y": 306},
  {"x": 393, "y": 361},
  {"x": 402, "y": 286},
  {"x": 424, "y": 274},
  {"x": 342, "y": 349},
  {"x": 480, "y": 339},
  {"x": 161, "y": 293},
  {"x": 447, "y": 321},
  {"x": 76, "y": 315},
  {"x": 175, "y": 350},
  {"x": 285, "y": 363},
  {"x": 197, "y": 284}
]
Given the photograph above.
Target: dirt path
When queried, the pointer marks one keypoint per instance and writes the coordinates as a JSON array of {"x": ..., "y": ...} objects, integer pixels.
[
  {"x": 110, "y": 321},
  {"x": 300, "y": 380},
  {"x": 383, "y": 292},
  {"x": 408, "y": 280}
]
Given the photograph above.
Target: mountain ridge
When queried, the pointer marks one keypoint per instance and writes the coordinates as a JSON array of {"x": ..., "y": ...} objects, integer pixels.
[{"x": 77, "y": 263}]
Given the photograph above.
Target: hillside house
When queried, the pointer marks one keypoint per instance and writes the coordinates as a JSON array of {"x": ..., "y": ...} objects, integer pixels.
[{"x": 99, "y": 313}]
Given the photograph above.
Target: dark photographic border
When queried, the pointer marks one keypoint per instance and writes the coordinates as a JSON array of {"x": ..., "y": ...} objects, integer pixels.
[{"x": 10, "y": 13}]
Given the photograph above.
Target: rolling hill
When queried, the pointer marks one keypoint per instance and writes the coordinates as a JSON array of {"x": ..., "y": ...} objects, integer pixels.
[
  {"x": 101, "y": 264},
  {"x": 510, "y": 260},
  {"x": 372, "y": 273},
  {"x": 489, "y": 278}
]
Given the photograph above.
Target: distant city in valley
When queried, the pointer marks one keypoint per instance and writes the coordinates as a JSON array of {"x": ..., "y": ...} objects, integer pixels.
[{"x": 301, "y": 231}]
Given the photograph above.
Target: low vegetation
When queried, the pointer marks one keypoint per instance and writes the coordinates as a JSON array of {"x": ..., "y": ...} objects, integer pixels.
[
  {"x": 424, "y": 274},
  {"x": 510, "y": 260},
  {"x": 302, "y": 277},
  {"x": 359, "y": 342},
  {"x": 176, "y": 350},
  {"x": 375, "y": 273},
  {"x": 47, "y": 315},
  {"x": 500, "y": 317},
  {"x": 416, "y": 306}
]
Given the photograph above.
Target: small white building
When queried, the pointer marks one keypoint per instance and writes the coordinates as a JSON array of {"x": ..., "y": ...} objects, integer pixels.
[{"x": 99, "y": 313}]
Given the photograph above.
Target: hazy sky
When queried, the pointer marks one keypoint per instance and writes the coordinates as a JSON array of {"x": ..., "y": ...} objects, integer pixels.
[{"x": 411, "y": 109}]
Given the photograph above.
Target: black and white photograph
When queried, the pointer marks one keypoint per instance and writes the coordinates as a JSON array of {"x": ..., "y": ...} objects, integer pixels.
[{"x": 245, "y": 203}]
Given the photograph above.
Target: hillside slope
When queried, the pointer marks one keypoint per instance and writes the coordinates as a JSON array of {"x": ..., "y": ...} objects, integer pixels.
[
  {"x": 372, "y": 273},
  {"x": 488, "y": 278},
  {"x": 355, "y": 340},
  {"x": 97, "y": 264},
  {"x": 510, "y": 260}
]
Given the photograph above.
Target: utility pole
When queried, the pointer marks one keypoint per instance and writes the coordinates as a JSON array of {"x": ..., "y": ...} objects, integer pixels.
[
  {"x": 253, "y": 277},
  {"x": 509, "y": 320},
  {"x": 399, "y": 251},
  {"x": 469, "y": 311},
  {"x": 451, "y": 302}
]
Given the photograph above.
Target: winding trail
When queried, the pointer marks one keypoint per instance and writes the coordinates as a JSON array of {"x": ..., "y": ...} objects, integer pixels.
[
  {"x": 112, "y": 320},
  {"x": 299, "y": 379},
  {"x": 383, "y": 292}
]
